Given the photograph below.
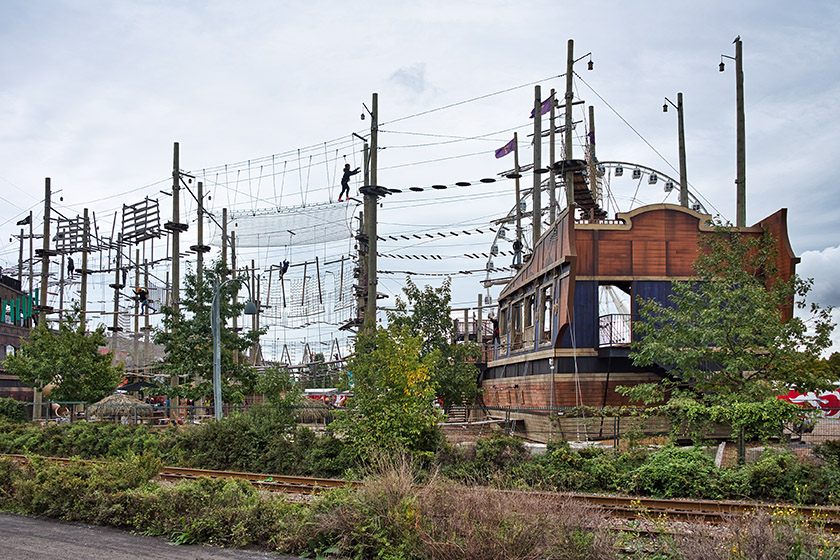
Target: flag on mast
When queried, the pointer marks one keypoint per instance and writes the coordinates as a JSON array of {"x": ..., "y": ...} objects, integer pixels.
[
  {"x": 25, "y": 221},
  {"x": 506, "y": 149},
  {"x": 545, "y": 107}
]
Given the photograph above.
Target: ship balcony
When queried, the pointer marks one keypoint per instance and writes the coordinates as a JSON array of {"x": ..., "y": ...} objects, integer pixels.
[{"x": 615, "y": 331}]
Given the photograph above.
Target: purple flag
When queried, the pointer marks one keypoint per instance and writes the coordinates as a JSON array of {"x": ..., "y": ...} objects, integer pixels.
[
  {"x": 591, "y": 136},
  {"x": 544, "y": 108},
  {"x": 505, "y": 150}
]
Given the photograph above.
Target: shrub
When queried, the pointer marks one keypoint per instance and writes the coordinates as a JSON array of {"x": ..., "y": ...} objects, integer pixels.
[
  {"x": 829, "y": 451},
  {"x": 678, "y": 472},
  {"x": 12, "y": 410},
  {"x": 781, "y": 476}
]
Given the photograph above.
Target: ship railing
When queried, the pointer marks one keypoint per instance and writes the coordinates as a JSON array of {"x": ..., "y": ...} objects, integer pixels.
[
  {"x": 614, "y": 330},
  {"x": 601, "y": 221}
]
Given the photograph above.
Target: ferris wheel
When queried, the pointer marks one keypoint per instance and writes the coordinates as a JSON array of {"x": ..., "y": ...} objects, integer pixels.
[{"x": 619, "y": 186}]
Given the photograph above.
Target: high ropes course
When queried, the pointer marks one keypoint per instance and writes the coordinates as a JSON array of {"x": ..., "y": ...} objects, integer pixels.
[{"x": 301, "y": 246}]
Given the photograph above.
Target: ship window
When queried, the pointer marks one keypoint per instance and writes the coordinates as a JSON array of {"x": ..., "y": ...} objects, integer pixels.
[
  {"x": 529, "y": 311},
  {"x": 516, "y": 316},
  {"x": 546, "y": 314},
  {"x": 503, "y": 322}
]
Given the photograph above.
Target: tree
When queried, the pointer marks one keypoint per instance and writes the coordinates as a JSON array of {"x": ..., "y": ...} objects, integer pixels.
[
  {"x": 723, "y": 338},
  {"x": 68, "y": 358},
  {"x": 393, "y": 391},
  {"x": 188, "y": 344},
  {"x": 426, "y": 314}
]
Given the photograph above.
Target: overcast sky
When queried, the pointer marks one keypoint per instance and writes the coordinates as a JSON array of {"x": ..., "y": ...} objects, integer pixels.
[{"x": 94, "y": 94}]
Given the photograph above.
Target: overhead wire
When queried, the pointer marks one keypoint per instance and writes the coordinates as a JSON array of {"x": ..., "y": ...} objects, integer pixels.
[{"x": 649, "y": 145}]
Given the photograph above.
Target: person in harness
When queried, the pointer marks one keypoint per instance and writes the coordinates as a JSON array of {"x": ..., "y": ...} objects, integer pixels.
[
  {"x": 345, "y": 181},
  {"x": 143, "y": 298}
]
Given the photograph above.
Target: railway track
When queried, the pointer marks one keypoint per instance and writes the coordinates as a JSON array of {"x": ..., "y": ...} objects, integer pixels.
[
  {"x": 269, "y": 482},
  {"x": 625, "y": 507}
]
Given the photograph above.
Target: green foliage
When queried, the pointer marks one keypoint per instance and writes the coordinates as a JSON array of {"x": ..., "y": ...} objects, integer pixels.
[
  {"x": 675, "y": 472},
  {"x": 12, "y": 410},
  {"x": 723, "y": 336},
  {"x": 79, "y": 491},
  {"x": 426, "y": 314},
  {"x": 829, "y": 451},
  {"x": 392, "y": 395},
  {"x": 277, "y": 386},
  {"x": 761, "y": 420},
  {"x": 188, "y": 343},
  {"x": 429, "y": 313},
  {"x": 69, "y": 359}
]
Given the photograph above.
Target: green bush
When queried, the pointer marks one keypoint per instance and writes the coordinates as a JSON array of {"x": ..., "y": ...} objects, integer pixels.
[
  {"x": 780, "y": 475},
  {"x": 12, "y": 410},
  {"x": 80, "y": 491},
  {"x": 674, "y": 472},
  {"x": 829, "y": 451}
]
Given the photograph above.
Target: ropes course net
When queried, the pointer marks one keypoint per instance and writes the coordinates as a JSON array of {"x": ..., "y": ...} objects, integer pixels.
[
  {"x": 295, "y": 226},
  {"x": 299, "y": 298}
]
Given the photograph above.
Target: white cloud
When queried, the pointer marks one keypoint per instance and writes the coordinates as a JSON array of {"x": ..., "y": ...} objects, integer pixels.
[{"x": 823, "y": 267}]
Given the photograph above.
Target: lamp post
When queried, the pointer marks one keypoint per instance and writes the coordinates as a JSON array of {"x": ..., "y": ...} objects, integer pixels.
[
  {"x": 741, "y": 149},
  {"x": 250, "y": 309},
  {"x": 569, "y": 98},
  {"x": 681, "y": 134}
]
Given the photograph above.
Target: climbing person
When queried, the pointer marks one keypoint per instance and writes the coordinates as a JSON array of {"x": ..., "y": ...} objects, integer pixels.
[
  {"x": 71, "y": 268},
  {"x": 345, "y": 181},
  {"x": 517, "y": 254},
  {"x": 495, "y": 322},
  {"x": 284, "y": 267},
  {"x": 143, "y": 298}
]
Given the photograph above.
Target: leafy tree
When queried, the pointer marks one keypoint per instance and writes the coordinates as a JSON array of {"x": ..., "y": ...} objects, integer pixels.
[
  {"x": 278, "y": 387},
  {"x": 724, "y": 337},
  {"x": 426, "y": 314},
  {"x": 68, "y": 358},
  {"x": 188, "y": 342},
  {"x": 391, "y": 407}
]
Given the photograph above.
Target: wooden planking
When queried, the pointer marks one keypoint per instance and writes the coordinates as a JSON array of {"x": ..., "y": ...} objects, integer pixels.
[
  {"x": 536, "y": 393},
  {"x": 615, "y": 256},
  {"x": 587, "y": 257},
  {"x": 649, "y": 258}
]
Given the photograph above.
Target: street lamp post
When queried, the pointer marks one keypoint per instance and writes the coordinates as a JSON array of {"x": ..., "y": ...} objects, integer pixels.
[
  {"x": 741, "y": 153},
  {"x": 250, "y": 309},
  {"x": 681, "y": 135}
]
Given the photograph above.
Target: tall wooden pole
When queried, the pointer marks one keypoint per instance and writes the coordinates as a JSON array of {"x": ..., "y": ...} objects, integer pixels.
[
  {"x": 593, "y": 167},
  {"x": 681, "y": 133},
  {"x": 517, "y": 194},
  {"x": 742, "y": 136},
  {"x": 569, "y": 97},
  {"x": 370, "y": 218},
  {"x": 234, "y": 275},
  {"x": 146, "y": 327},
  {"x": 45, "y": 256},
  {"x": 117, "y": 285},
  {"x": 31, "y": 253},
  {"x": 176, "y": 234},
  {"x": 536, "y": 194},
  {"x": 20, "y": 261},
  {"x": 135, "y": 353},
  {"x": 61, "y": 290},
  {"x": 84, "y": 270},
  {"x": 224, "y": 239},
  {"x": 552, "y": 195},
  {"x": 361, "y": 298},
  {"x": 200, "y": 234}
]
